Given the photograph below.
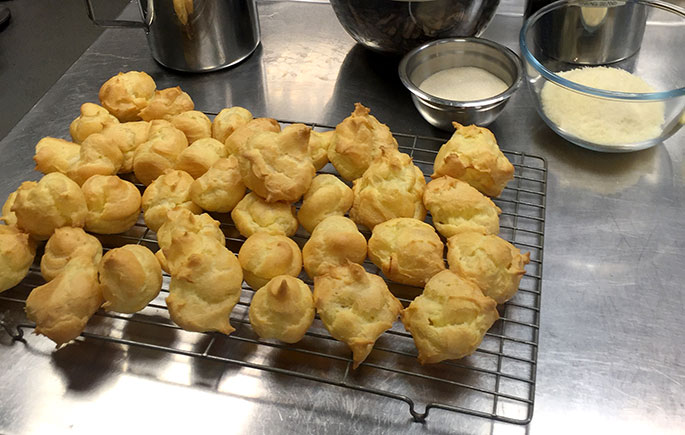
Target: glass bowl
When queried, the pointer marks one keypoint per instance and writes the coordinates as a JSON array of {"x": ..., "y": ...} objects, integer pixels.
[
  {"x": 561, "y": 41},
  {"x": 397, "y": 26}
]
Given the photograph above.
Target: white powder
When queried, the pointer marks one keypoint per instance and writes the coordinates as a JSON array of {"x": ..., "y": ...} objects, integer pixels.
[
  {"x": 601, "y": 121},
  {"x": 465, "y": 83}
]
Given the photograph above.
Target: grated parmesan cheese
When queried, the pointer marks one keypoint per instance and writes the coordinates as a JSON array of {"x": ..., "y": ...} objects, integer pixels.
[
  {"x": 466, "y": 83},
  {"x": 603, "y": 121}
]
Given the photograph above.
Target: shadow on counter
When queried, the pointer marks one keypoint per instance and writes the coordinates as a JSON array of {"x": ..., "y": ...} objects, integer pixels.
[{"x": 389, "y": 101}]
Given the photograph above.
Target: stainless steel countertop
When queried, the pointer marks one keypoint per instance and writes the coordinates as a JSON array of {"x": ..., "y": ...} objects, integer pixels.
[{"x": 611, "y": 355}]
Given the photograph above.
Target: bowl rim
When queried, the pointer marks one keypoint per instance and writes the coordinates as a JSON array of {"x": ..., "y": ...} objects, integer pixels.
[
  {"x": 551, "y": 76},
  {"x": 414, "y": 89}
]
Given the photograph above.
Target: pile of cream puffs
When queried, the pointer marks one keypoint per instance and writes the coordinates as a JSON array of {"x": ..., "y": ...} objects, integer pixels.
[{"x": 256, "y": 171}]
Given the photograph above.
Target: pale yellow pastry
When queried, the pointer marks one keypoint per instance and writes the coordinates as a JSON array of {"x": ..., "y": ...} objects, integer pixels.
[
  {"x": 99, "y": 155},
  {"x": 93, "y": 119},
  {"x": 494, "y": 264},
  {"x": 407, "y": 250},
  {"x": 130, "y": 277},
  {"x": 327, "y": 196},
  {"x": 126, "y": 94},
  {"x": 205, "y": 285},
  {"x": 392, "y": 187},
  {"x": 55, "y": 155},
  {"x": 183, "y": 10},
  {"x": 7, "y": 215},
  {"x": 61, "y": 308},
  {"x": 63, "y": 246},
  {"x": 183, "y": 220},
  {"x": 194, "y": 124},
  {"x": 449, "y": 319},
  {"x": 253, "y": 214},
  {"x": 53, "y": 202},
  {"x": 16, "y": 256},
  {"x": 318, "y": 147},
  {"x": 456, "y": 206},
  {"x": 128, "y": 136},
  {"x": 355, "y": 306},
  {"x": 283, "y": 309},
  {"x": 200, "y": 156},
  {"x": 159, "y": 153},
  {"x": 113, "y": 204},
  {"x": 277, "y": 166},
  {"x": 166, "y": 104},
  {"x": 264, "y": 256},
  {"x": 229, "y": 120},
  {"x": 472, "y": 155},
  {"x": 168, "y": 191},
  {"x": 358, "y": 139},
  {"x": 220, "y": 188},
  {"x": 241, "y": 134},
  {"x": 334, "y": 242}
]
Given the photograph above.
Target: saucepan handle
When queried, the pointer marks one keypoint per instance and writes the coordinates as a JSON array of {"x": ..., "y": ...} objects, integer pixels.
[{"x": 145, "y": 24}]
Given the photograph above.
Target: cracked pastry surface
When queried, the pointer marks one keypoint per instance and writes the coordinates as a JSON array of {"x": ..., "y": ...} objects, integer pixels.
[
  {"x": 62, "y": 307},
  {"x": 456, "y": 206},
  {"x": 55, "y": 155},
  {"x": 17, "y": 251},
  {"x": 165, "y": 193},
  {"x": 98, "y": 155},
  {"x": 166, "y": 104},
  {"x": 319, "y": 142},
  {"x": 7, "y": 215},
  {"x": 205, "y": 284},
  {"x": 407, "y": 250},
  {"x": 126, "y": 94},
  {"x": 242, "y": 134},
  {"x": 355, "y": 306},
  {"x": 264, "y": 256},
  {"x": 220, "y": 188},
  {"x": 472, "y": 155},
  {"x": 357, "y": 141},
  {"x": 334, "y": 242},
  {"x": 227, "y": 121},
  {"x": 200, "y": 156},
  {"x": 93, "y": 119},
  {"x": 159, "y": 153},
  {"x": 449, "y": 319},
  {"x": 63, "y": 246},
  {"x": 277, "y": 166},
  {"x": 253, "y": 214},
  {"x": 181, "y": 219},
  {"x": 54, "y": 201},
  {"x": 391, "y": 187},
  {"x": 127, "y": 136},
  {"x": 494, "y": 264},
  {"x": 194, "y": 124},
  {"x": 130, "y": 277},
  {"x": 326, "y": 196},
  {"x": 283, "y": 309},
  {"x": 113, "y": 204}
]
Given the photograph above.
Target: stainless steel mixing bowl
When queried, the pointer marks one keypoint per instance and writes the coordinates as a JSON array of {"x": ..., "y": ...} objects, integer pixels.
[
  {"x": 397, "y": 26},
  {"x": 426, "y": 60}
]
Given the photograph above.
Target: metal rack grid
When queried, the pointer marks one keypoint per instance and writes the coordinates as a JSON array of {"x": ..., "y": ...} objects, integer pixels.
[{"x": 496, "y": 382}]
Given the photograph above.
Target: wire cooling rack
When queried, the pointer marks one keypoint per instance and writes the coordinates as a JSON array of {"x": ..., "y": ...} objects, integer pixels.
[{"x": 496, "y": 382}]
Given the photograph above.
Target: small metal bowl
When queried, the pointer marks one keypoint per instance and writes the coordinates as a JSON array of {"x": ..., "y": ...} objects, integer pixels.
[{"x": 426, "y": 60}]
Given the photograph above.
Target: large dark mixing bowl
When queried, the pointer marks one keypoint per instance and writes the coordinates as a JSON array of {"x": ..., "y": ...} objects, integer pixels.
[{"x": 397, "y": 26}]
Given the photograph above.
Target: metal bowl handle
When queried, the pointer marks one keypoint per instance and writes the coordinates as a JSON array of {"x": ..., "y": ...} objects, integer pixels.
[{"x": 147, "y": 16}]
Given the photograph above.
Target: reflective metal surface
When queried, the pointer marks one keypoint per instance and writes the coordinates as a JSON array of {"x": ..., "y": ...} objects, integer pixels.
[
  {"x": 195, "y": 35},
  {"x": 611, "y": 357},
  {"x": 428, "y": 59},
  {"x": 397, "y": 26},
  {"x": 605, "y": 32}
]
